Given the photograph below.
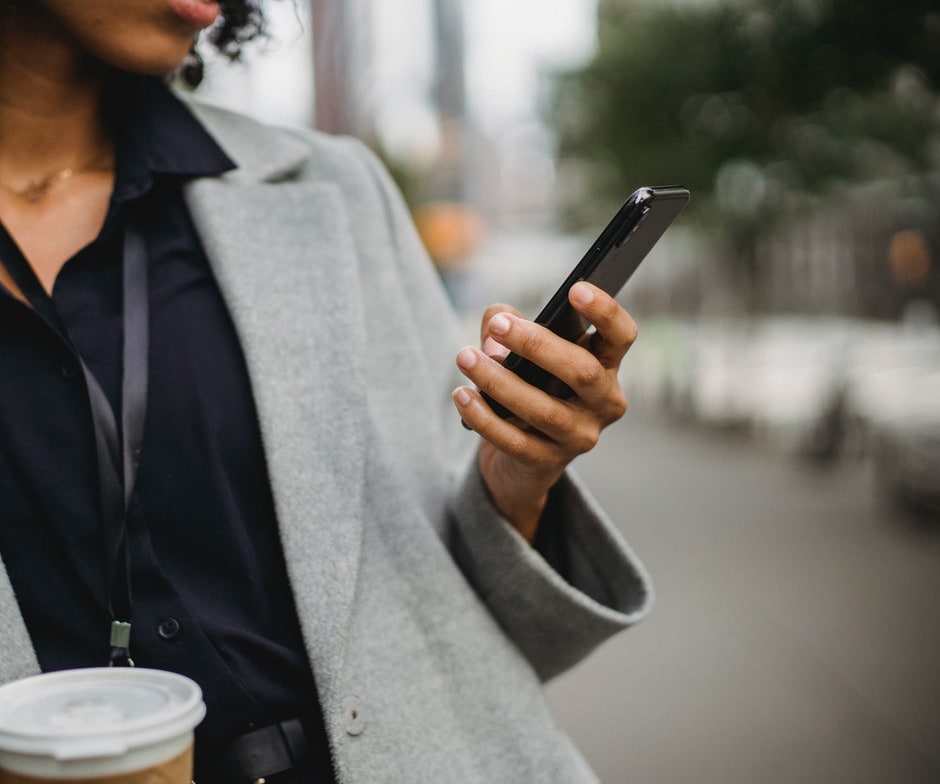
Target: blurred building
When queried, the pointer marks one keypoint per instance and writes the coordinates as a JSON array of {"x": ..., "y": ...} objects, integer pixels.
[{"x": 872, "y": 255}]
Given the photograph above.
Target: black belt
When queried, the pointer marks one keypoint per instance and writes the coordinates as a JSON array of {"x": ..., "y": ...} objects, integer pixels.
[{"x": 262, "y": 753}]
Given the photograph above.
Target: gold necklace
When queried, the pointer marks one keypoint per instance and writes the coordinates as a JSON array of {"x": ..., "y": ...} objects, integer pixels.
[{"x": 37, "y": 190}]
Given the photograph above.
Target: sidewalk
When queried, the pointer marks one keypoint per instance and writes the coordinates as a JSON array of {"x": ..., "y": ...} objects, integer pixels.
[{"x": 795, "y": 633}]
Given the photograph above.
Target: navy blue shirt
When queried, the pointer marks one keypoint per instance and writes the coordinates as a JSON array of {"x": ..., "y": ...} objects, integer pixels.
[{"x": 211, "y": 597}]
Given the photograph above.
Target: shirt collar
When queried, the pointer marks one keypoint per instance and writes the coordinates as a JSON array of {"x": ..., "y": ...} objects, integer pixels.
[{"x": 156, "y": 135}]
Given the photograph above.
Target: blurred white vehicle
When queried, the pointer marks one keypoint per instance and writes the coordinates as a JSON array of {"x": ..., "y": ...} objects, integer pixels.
[
  {"x": 906, "y": 438},
  {"x": 795, "y": 373},
  {"x": 719, "y": 385},
  {"x": 780, "y": 377}
]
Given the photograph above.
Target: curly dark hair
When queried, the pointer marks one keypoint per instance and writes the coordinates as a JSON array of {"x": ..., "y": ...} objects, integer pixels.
[{"x": 241, "y": 21}]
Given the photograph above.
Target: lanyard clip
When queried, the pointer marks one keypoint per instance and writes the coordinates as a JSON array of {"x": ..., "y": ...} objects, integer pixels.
[{"x": 120, "y": 655}]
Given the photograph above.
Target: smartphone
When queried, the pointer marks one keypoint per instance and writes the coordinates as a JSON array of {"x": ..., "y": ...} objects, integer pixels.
[{"x": 608, "y": 264}]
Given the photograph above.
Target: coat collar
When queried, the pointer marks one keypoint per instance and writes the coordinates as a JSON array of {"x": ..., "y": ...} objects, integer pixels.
[{"x": 261, "y": 153}]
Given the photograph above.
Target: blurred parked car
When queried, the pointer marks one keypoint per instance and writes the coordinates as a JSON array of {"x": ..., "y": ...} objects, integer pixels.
[
  {"x": 906, "y": 441},
  {"x": 781, "y": 378},
  {"x": 816, "y": 387},
  {"x": 795, "y": 376}
]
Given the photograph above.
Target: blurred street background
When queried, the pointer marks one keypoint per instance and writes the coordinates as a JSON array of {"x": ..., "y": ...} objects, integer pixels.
[{"x": 779, "y": 470}]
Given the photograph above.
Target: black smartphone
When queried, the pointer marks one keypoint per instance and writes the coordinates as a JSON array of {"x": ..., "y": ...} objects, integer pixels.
[{"x": 608, "y": 264}]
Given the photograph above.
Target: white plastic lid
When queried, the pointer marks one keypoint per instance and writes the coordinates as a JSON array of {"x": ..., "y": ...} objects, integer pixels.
[{"x": 96, "y": 712}]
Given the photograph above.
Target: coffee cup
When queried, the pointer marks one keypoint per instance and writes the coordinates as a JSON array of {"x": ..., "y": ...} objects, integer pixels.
[{"x": 108, "y": 725}]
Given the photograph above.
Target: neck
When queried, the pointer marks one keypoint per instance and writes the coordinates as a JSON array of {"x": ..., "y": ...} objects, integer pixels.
[{"x": 49, "y": 100}]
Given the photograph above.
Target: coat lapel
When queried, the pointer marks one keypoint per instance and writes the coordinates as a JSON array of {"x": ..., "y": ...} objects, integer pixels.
[
  {"x": 286, "y": 263},
  {"x": 17, "y": 657}
]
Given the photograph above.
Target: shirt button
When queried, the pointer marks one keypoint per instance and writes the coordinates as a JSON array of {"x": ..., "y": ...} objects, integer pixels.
[
  {"x": 168, "y": 628},
  {"x": 354, "y": 716},
  {"x": 69, "y": 368}
]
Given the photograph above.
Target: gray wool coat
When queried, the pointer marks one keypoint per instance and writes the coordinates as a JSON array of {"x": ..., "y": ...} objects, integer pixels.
[{"x": 429, "y": 622}]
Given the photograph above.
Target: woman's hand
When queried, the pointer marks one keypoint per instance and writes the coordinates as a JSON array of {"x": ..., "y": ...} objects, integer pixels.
[{"x": 521, "y": 458}]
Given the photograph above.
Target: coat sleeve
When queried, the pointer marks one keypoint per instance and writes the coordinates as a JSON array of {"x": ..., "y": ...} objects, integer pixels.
[{"x": 554, "y": 617}]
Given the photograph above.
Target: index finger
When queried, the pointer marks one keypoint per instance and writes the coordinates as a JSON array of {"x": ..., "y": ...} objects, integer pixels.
[{"x": 615, "y": 329}]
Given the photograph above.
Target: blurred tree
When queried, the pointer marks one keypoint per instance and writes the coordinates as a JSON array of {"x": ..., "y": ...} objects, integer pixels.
[{"x": 755, "y": 105}]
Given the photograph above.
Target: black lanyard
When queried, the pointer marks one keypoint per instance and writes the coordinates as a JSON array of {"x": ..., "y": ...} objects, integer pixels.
[{"x": 118, "y": 450}]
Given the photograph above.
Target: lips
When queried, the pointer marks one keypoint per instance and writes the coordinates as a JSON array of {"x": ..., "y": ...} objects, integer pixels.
[{"x": 198, "y": 14}]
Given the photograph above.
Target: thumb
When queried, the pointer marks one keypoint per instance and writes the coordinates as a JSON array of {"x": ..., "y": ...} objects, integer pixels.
[{"x": 490, "y": 346}]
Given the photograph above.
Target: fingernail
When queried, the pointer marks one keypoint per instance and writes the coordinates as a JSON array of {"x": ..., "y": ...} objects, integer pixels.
[
  {"x": 499, "y": 324},
  {"x": 495, "y": 350},
  {"x": 461, "y": 396},
  {"x": 466, "y": 358},
  {"x": 582, "y": 293}
]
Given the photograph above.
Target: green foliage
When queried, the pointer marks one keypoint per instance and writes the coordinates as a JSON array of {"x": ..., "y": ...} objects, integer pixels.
[{"x": 751, "y": 104}]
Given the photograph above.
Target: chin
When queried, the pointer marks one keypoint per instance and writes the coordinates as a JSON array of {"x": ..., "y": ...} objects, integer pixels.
[
  {"x": 158, "y": 69},
  {"x": 155, "y": 59}
]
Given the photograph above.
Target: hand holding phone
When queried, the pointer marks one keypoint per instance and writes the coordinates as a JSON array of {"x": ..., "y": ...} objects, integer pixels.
[{"x": 608, "y": 264}]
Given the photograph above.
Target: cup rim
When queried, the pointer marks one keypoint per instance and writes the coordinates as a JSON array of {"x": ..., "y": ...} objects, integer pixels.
[{"x": 178, "y": 717}]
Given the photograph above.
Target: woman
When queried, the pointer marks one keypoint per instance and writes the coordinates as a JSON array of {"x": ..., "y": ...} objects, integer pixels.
[{"x": 226, "y": 447}]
